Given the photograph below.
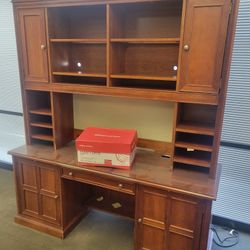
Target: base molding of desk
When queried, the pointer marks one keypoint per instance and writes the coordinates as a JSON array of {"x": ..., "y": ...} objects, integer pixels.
[
  {"x": 45, "y": 228},
  {"x": 39, "y": 226}
]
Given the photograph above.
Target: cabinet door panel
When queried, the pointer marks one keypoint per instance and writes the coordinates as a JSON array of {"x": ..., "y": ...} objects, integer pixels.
[
  {"x": 151, "y": 210},
  {"x": 184, "y": 223},
  {"x": 28, "y": 175},
  {"x": 30, "y": 202},
  {"x": 49, "y": 209},
  {"x": 203, "y": 45},
  {"x": 33, "y": 45},
  {"x": 180, "y": 242},
  {"x": 152, "y": 238},
  {"x": 48, "y": 179}
]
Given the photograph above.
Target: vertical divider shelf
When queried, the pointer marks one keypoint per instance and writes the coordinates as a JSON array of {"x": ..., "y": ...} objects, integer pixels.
[
  {"x": 194, "y": 135},
  {"x": 40, "y": 117}
]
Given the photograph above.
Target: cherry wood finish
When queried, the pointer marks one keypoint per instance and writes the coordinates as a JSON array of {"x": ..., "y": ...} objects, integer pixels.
[
  {"x": 34, "y": 48},
  {"x": 177, "y": 51},
  {"x": 149, "y": 168},
  {"x": 39, "y": 191},
  {"x": 203, "y": 45},
  {"x": 174, "y": 215},
  {"x": 151, "y": 219}
]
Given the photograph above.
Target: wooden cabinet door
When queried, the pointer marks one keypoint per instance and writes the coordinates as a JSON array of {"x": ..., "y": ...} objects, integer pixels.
[
  {"x": 38, "y": 186},
  {"x": 151, "y": 210},
  {"x": 32, "y": 30},
  {"x": 184, "y": 223},
  {"x": 204, "y": 37},
  {"x": 49, "y": 190},
  {"x": 27, "y": 187}
]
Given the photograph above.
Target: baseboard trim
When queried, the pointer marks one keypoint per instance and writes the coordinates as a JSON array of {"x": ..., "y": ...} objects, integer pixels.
[
  {"x": 31, "y": 223},
  {"x": 5, "y": 165},
  {"x": 224, "y": 222}
]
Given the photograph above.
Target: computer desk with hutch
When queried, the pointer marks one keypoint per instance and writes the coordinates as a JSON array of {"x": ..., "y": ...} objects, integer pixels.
[{"x": 167, "y": 50}]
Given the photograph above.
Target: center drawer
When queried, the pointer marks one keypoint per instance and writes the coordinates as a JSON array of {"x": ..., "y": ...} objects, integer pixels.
[{"x": 100, "y": 181}]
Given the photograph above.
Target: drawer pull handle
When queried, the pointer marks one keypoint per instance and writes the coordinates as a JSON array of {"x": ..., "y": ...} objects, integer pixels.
[
  {"x": 140, "y": 220},
  {"x": 186, "y": 47},
  {"x": 70, "y": 173},
  {"x": 43, "y": 47},
  {"x": 56, "y": 196},
  {"x": 120, "y": 186}
]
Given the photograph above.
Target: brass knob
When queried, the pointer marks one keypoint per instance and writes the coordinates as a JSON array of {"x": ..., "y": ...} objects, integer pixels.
[
  {"x": 70, "y": 173},
  {"x": 139, "y": 220},
  {"x": 120, "y": 185},
  {"x": 43, "y": 47},
  {"x": 56, "y": 196},
  {"x": 186, "y": 47}
]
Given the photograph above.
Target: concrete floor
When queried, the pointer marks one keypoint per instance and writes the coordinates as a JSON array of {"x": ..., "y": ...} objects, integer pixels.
[{"x": 97, "y": 231}]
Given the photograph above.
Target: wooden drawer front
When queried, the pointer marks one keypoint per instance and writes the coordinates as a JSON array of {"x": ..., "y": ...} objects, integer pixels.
[{"x": 121, "y": 186}]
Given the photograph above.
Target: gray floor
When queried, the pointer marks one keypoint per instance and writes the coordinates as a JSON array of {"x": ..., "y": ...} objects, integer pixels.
[{"x": 97, "y": 231}]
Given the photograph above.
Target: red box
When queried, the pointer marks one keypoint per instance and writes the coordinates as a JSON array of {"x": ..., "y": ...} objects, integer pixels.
[{"x": 106, "y": 147}]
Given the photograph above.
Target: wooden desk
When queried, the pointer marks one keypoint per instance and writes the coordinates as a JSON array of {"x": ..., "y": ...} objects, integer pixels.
[{"x": 171, "y": 209}]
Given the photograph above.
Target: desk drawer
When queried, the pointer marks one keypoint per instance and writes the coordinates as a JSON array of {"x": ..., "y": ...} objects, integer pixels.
[{"x": 100, "y": 181}]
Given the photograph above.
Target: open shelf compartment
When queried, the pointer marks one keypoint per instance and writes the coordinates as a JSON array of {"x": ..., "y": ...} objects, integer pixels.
[
  {"x": 144, "y": 62},
  {"x": 83, "y": 22},
  {"x": 146, "y": 20},
  {"x": 196, "y": 118},
  {"x": 80, "y": 61}
]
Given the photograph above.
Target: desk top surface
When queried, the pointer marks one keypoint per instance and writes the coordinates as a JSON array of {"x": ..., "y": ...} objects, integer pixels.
[{"x": 149, "y": 169}]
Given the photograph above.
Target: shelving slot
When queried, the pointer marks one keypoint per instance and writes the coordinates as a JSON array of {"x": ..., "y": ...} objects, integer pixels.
[
  {"x": 196, "y": 118},
  {"x": 146, "y": 20},
  {"x": 192, "y": 157},
  {"x": 194, "y": 141},
  {"x": 85, "y": 61},
  {"x": 44, "y": 134},
  {"x": 38, "y": 102},
  {"x": 144, "y": 61},
  {"x": 40, "y": 117},
  {"x": 144, "y": 84},
  {"x": 77, "y": 22},
  {"x": 42, "y": 121}
]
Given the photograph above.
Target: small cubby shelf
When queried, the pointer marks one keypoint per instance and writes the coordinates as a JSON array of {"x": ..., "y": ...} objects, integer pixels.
[
  {"x": 193, "y": 145},
  {"x": 40, "y": 116},
  {"x": 195, "y": 128},
  {"x": 43, "y": 137},
  {"x": 41, "y": 111},
  {"x": 194, "y": 134},
  {"x": 192, "y": 161},
  {"x": 41, "y": 124}
]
